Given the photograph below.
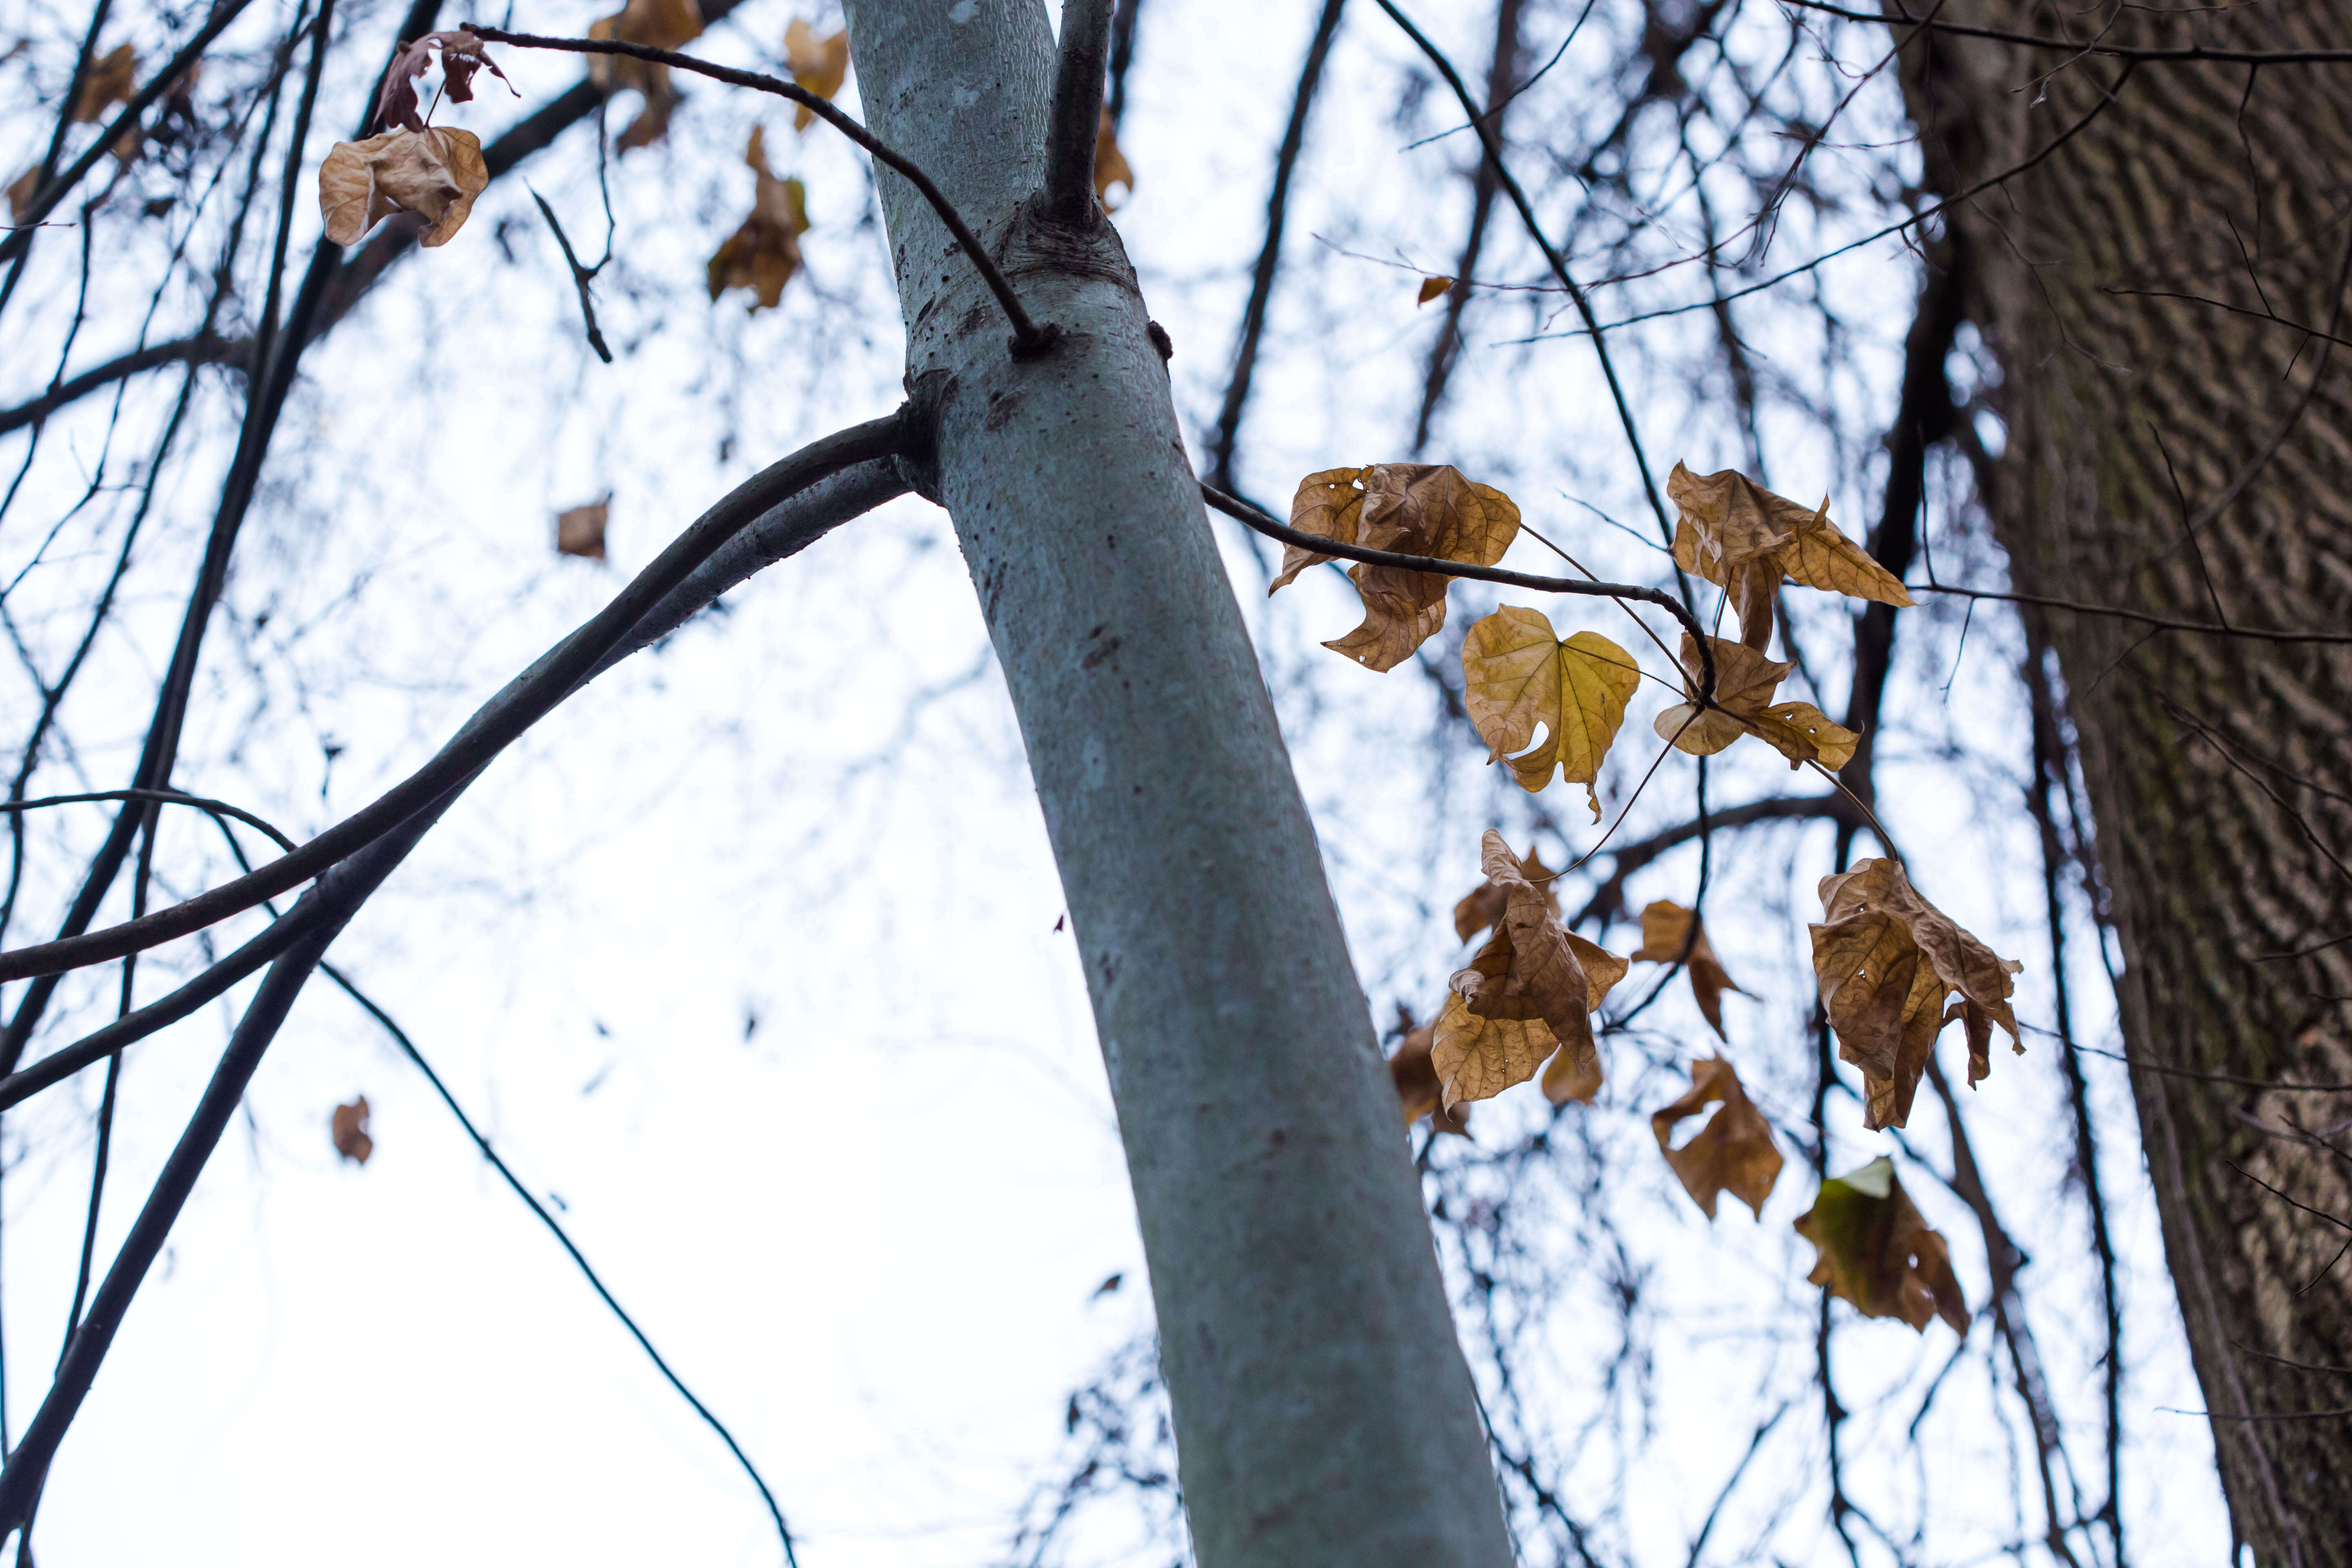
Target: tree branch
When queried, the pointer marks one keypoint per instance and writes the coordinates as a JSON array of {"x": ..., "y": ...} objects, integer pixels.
[
  {"x": 1249, "y": 516},
  {"x": 2191, "y": 52},
  {"x": 1074, "y": 122},
  {"x": 524, "y": 702},
  {"x": 1028, "y": 337}
]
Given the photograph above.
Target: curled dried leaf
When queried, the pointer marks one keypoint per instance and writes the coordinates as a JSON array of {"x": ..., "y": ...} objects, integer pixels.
[
  {"x": 763, "y": 254},
  {"x": 1667, "y": 938},
  {"x": 1483, "y": 905},
  {"x": 462, "y": 55},
  {"x": 348, "y": 1127},
  {"x": 1877, "y": 1250},
  {"x": 818, "y": 65},
  {"x": 1745, "y": 681},
  {"x": 1743, "y": 538},
  {"x": 1430, "y": 287},
  {"x": 1517, "y": 675},
  {"x": 435, "y": 173},
  {"x": 1887, "y": 960},
  {"x": 1530, "y": 990},
  {"x": 1412, "y": 509},
  {"x": 1733, "y": 1152}
]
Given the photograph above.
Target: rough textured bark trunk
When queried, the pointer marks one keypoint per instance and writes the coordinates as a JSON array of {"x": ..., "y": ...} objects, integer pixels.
[
  {"x": 1323, "y": 1411},
  {"x": 2217, "y": 767}
]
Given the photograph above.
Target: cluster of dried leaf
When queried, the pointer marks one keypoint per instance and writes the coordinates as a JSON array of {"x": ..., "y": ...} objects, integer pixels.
[
  {"x": 1885, "y": 960},
  {"x": 435, "y": 172}
]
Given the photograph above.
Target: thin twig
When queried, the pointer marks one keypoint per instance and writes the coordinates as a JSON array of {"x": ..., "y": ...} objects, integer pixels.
[
  {"x": 531, "y": 695},
  {"x": 2180, "y": 55},
  {"x": 1249, "y": 516},
  {"x": 2160, "y": 622},
  {"x": 581, "y": 277},
  {"x": 408, "y": 1047},
  {"x": 1028, "y": 337}
]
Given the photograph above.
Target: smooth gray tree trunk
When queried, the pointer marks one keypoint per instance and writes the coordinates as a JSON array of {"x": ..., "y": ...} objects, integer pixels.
[{"x": 1323, "y": 1411}]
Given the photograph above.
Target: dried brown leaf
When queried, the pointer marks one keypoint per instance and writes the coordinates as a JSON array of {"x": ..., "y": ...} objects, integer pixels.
[
  {"x": 818, "y": 65},
  {"x": 1417, "y": 1090},
  {"x": 349, "y": 1128},
  {"x": 1430, "y": 287},
  {"x": 581, "y": 530},
  {"x": 1740, "y": 536},
  {"x": 1516, "y": 675},
  {"x": 656, "y": 24},
  {"x": 1111, "y": 167},
  {"x": 112, "y": 78},
  {"x": 1876, "y": 1251},
  {"x": 1745, "y": 681},
  {"x": 1531, "y": 989},
  {"x": 1665, "y": 928},
  {"x": 21, "y": 191},
  {"x": 1887, "y": 960},
  {"x": 763, "y": 254},
  {"x": 1484, "y": 904},
  {"x": 435, "y": 173},
  {"x": 1412, "y": 509},
  {"x": 1733, "y": 1152}
]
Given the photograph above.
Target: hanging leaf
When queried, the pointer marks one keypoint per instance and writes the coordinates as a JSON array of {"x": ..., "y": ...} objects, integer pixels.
[
  {"x": 1516, "y": 675},
  {"x": 1415, "y": 1080},
  {"x": 1886, "y": 959},
  {"x": 818, "y": 65},
  {"x": 1412, "y": 509},
  {"x": 349, "y": 1128},
  {"x": 1741, "y": 537},
  {"x": 1530, "y": 991},
  {"x": 1745, "y": 681},
  {"x": 658, "y": 24},
  {"x": 763, "y": 254},
  {"x": 112, "y": 78},
  {"x": 461, "y": 56},
  {"x": 1430, "y": 287},
  {"x": 1876, "y": 1251},
  {"x": 1484, "y": 904},
  {"x": 1733, "y": 1152},
  {"x": 581, "y": 530},
  {"x": 435, "y": 173},
  {"x": 21, "y": 191},
  {"x": 1665, "y": 927},
  {"x": 1110, "y": 166}
]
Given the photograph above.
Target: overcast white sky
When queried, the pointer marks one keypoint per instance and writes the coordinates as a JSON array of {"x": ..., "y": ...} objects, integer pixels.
[{"x": 749, "y": 960}]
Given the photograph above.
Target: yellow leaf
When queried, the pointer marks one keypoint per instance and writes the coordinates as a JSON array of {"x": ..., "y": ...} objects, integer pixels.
[
  {"x": 763, "y": 254},
  {"x": 111, "y": 79},
  {"x": 1530, "y": 990},
  {"x": 1733, "y": 1152},
  {"x": 1885, "y": 960},
  {"x": 435, "y": 173},
  {"x": 1740, "y": 536},
  {"x": 1430, "y": 287},
  {"x": 1876, "y": 1251},
  {"x": 1745, "y": 681},
  {"x": 581, "y": 530},
  {"x": 1110, "y": 166},
  {"x": 1516, "y": 675},
  {"x": 1484, "y": 904},
  {"x": 1412, "y": 509},
  {"x": 818, "y": 65},
  {"x": 1665, "y": 928},
  {"x": 348, "y": 1126}
]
